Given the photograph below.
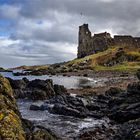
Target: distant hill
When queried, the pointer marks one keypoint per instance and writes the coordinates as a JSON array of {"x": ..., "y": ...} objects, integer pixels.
[{"x": 35, "y": 67}]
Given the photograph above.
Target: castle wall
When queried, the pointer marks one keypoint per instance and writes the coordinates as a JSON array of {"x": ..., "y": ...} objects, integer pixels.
[
  {"x": 123, "y": 40},
  {"x": 89, "y": 44}
]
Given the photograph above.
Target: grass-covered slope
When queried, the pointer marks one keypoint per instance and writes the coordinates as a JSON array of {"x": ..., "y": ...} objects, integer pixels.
[{"x": 115, "y": 58}]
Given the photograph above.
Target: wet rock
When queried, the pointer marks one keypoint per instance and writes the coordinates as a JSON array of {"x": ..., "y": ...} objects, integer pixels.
[
  {"x": 17, "y": 84},
  {"x": 66, "y": 110},
  {"x": 134, "y": 88},
  {"x": 36, "y": 89},
  {"x": 59, "y": 89},
  {"x": 36, "y": 106},
  {"x": 113, "y": 91},
  {"x": 138, "y": 74},
  {"x": 34, "y": 132},
  {"x": 92, "y": 107},
  {"x": 85, "y": 75},
  {"x": 98, "y": 133}
]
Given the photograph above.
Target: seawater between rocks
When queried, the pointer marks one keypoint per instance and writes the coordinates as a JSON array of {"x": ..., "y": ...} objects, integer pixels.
[
  {"x": 64, "y": 126},
  {"x": 68, "y": 82}
]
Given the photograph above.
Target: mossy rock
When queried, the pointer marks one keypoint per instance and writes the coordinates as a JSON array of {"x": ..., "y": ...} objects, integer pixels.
[
  {"x": 41, "y": 133},
  {"x": 10, "y": 123}
]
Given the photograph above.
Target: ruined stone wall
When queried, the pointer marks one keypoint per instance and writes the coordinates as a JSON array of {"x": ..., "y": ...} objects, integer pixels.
[
  {"x": 88, "y": 44},
  {"x": 123, "y": 40}
]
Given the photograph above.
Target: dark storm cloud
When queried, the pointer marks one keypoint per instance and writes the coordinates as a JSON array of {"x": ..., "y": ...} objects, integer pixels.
[
  {"x": 120, "y": 16},
  {"x": 46, "y": 31}
]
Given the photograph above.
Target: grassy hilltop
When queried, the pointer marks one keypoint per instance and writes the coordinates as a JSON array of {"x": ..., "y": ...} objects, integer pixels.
[{"x": 114, "y": 58}]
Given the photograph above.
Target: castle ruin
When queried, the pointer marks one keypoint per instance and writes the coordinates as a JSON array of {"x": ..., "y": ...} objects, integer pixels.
[{"x": 88, "y": 44}]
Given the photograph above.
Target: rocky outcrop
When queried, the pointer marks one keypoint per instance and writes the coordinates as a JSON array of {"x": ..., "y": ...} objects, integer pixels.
[
  {"x": 36, "y": 89},
  {"x": 10, "y": 123}
]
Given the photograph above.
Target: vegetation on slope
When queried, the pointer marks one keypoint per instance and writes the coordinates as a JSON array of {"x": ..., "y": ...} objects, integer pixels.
[{"x": 115, "y": 58}]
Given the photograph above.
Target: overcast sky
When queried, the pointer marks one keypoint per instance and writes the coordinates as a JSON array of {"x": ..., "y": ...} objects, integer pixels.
[{"x": 46, "y": 31}]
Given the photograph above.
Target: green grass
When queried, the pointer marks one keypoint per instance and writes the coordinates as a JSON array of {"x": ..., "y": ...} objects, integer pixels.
[
  {"x": 94, "y": 56},
  {"x": 126, "y": 66},
  {"x": 96, "y": 60}
]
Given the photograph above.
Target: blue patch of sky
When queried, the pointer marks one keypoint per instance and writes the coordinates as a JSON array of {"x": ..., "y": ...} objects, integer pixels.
[
  {"x": 6, "y": 1},
  {"x": 10, "y": 2},
  {"x": 6, "y": 27},
  {"x": 39, "y": 22}
]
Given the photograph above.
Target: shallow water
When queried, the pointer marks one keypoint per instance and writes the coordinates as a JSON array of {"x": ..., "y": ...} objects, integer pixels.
[
  {"x": 69, "y": 82},
  {"x": 63, "y": 126}
]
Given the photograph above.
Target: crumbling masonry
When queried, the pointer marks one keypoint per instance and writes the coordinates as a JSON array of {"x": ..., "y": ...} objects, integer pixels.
[{"x": 88, "y": 44}]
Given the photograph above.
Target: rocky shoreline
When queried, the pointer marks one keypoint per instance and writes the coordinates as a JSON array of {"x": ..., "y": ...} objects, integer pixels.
[{"x": 121, "y": 106}]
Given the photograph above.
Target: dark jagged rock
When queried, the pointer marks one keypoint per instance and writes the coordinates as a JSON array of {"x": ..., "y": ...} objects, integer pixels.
[
  {"x": 59, "y": 89},
  {"x": 36, "y": 89},
  {"x": 134, "y": 88},
  {"x": 66, "y": 110},
  {"x": 68, "y": 106},
  {"x": 34, "y": 132},
  {"x": 113, "y": 91},
  {"x": 138, "y": 74},
  {"x": 17, "y": 84}
]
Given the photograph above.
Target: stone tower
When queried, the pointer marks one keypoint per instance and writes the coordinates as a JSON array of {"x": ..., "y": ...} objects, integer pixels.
[
  {"x": 83, "y": 40},
  {"x": 88, "y": 44}
]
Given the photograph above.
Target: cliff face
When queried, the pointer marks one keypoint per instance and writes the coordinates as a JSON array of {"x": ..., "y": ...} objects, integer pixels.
[
  {"x": 88, "y": 44},
  {"x": 10, "y": 123}
]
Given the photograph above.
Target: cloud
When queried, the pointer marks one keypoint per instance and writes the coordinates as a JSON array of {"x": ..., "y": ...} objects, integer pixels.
[{"x": 46, "y": 31}]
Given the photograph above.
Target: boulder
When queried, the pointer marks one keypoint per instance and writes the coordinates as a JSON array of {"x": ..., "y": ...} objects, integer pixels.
[
  {"x": 134, "y": 88},
  {"x": 17, "y": 84},
  {"x": 67, "y": 111},
  {"x": 59, "y": 89}
]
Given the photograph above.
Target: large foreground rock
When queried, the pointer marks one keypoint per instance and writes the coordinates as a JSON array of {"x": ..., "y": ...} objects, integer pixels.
[
  {"x": 12, "y": 127},
  {"x": 10, "y": 123}
]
